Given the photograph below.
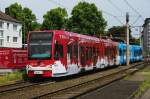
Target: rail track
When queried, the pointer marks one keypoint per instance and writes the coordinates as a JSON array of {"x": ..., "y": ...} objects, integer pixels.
[
  {"x": 68, "y": 88},
  {"x": 85, "y": 87},
  {"x": 15, "y": 86}
]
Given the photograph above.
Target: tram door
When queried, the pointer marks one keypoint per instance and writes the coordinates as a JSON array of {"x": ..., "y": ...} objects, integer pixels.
[{"x": 60, "y": 52}]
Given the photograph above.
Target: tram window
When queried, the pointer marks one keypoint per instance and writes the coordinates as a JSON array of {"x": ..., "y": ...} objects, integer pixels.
[
  {"x": 112, "y": 53},
  {"x": 76, "y": 50},
  {"x": 120, "y": 52},
  {"x": 87, "y": 53},
  {"x": 58, "y": 51},
  {"x": 97, "y": 52},
  {"x": 61, "y": 51},
  {"x": 90, "y": 55},
  {"x": 106, "y": 51},
  {"x": 69, "y": 50},
  {"x": 81, "y": 50},
  {"x": 94, "y": 51}
]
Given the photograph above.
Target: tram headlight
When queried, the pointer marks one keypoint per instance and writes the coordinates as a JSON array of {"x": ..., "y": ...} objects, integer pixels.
[{"x": 28, "y": 67}]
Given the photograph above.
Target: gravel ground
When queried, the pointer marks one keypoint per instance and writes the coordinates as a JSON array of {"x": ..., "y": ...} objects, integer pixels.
[{"x": 30, "y": 92}]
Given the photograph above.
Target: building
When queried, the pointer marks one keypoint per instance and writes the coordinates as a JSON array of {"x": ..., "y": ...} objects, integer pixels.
[
  {"x": 146, "y": 39},
  {"x": 118, "y": 34},
  {"x": 10, "y": 32}
]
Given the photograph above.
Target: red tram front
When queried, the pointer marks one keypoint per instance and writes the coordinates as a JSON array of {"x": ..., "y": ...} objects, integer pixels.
[{"x": 59, "y": 53}]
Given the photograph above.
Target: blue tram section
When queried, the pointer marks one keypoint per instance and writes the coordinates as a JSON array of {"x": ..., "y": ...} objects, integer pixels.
[
  {"x": 122, "y": 53},
  {"x": 135, "y": 53}
]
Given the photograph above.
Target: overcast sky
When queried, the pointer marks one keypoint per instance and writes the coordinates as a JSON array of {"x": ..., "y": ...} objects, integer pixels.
[{"x": 113, "y": 10}]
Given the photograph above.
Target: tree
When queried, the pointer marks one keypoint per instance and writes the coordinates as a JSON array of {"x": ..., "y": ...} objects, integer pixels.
[
  {"x": 36, "y": 26},
  {"x": 24, "y": 15},
  {"x": 15, "y": 11},
  {"x": 55, "y": 19},
  {"x": 28, "y": 19},
  {"x": 86, "y": 19}
]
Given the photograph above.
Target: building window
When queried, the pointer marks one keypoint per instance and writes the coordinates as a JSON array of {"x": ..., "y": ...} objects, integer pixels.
[
  {"x": 15, "y": 39},
  {"x": 1, "y": 33},
  {"x": 14, "y": 27},
  {"x": 1, "y": 24},
  {"x": 7, "y": 25},
  {"x": 8, "y": 38},
  {"x": 1, "y": 42}
]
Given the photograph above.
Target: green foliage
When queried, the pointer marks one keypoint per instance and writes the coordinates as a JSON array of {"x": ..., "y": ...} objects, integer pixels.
[
  {"x": 86, "y": 19},
  {"x": 36, "y": 26},
  {"x": 145, "y": 84},
  {"x": 11, "y": 78},
  {"x": 24, "y": 15},
  {"x": 15, "y": 11},
  {"x": 55, "y": 19},
  {"x": 29, "y": 18}
]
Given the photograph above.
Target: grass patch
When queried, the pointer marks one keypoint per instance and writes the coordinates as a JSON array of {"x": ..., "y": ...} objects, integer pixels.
[
  {"x": 12, "y": 77},
  {"x": 145, "y": 84},
  {"x": 127, "y": 77}
]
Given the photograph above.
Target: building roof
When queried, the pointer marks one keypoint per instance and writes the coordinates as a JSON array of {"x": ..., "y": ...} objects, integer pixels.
[{"x": 6, "y": 17}]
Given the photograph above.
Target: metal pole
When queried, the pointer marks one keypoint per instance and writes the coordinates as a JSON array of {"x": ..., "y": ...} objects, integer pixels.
[
  {"x": 24, "y": 39},
  {"x": 140, "y": 31},
  {"x": 127, "y": 41}
]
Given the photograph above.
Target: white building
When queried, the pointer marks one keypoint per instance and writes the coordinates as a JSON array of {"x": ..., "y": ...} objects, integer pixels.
[{"x": 10, "y": 32}]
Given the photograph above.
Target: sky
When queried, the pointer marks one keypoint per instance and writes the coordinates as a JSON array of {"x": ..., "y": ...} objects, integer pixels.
[{"x": 114, "y": 11}]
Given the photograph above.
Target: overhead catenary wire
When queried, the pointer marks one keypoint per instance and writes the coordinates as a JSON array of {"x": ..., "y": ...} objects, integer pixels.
[
  {"x": 117, "y": 8},
  {"x": 136, "y": 20},
  {"x": 116, "y": 17},
  {"x": 53, "y": 1},
  {"x": 105, "y": 12},
  {"x": 133, "y": 9}
]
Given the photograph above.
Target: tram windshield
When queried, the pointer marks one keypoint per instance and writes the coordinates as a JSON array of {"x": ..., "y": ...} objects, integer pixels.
[{"x": 40, "y": 45}]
